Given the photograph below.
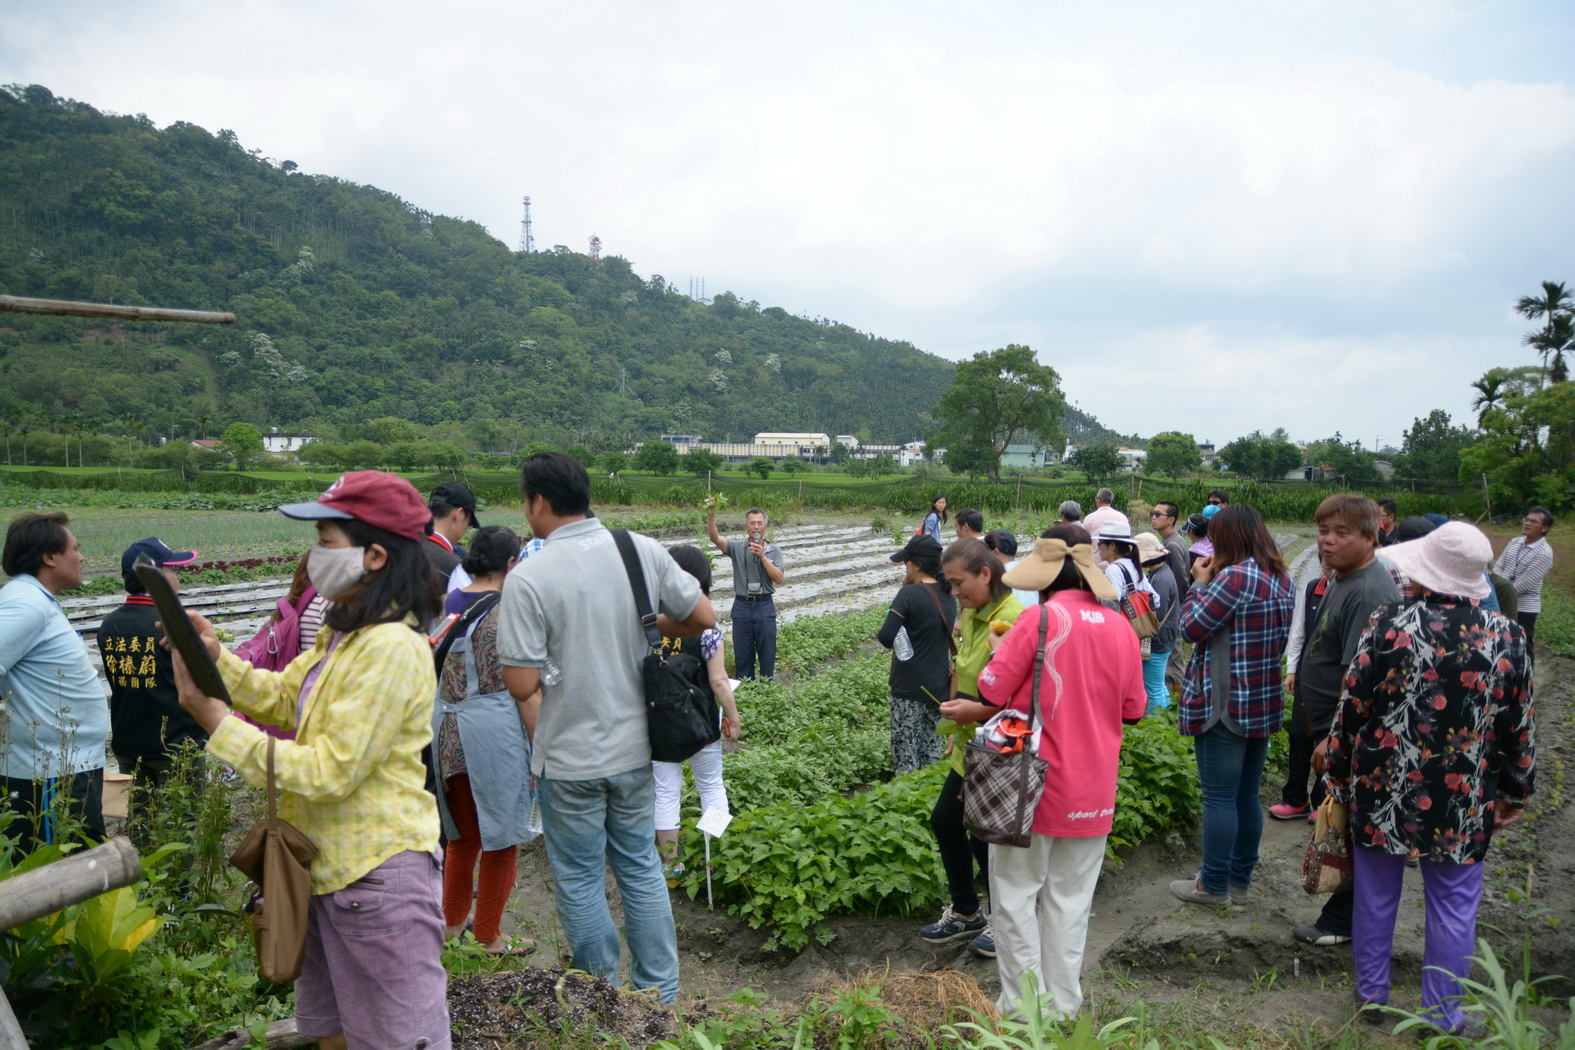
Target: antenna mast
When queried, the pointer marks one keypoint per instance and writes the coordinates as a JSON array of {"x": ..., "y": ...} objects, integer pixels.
[
  {"x": 527, "y": 240},
  {"x": 596, "y": 247}
]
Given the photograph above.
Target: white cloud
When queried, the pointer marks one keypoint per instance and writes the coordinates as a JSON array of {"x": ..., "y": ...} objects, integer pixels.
[{"x": 1275, "y": 189}]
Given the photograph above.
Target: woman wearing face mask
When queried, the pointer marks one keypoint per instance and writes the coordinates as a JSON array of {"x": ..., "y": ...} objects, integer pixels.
[{"x": 360, "y": 702}]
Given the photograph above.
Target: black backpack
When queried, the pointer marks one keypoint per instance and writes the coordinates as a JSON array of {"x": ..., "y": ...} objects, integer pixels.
[{"x": 683, "y": 717}]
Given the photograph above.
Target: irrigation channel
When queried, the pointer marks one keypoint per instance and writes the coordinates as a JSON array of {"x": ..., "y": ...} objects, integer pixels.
[{"x": 832, "y": 568}]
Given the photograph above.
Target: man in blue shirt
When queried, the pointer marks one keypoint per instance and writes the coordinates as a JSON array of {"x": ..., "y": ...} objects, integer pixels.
[{"x": 54, "y": 719}]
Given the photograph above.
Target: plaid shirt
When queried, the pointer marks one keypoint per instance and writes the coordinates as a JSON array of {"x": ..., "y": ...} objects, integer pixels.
[
  {"x": 1258, "y": 608},
  {"x": 352, "y": 780}
]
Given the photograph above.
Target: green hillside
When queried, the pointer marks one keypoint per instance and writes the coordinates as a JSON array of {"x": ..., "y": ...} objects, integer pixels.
[{"x": 355, "y": 305}]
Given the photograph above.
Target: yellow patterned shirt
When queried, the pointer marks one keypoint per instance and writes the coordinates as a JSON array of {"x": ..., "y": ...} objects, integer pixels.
[{"x": 352, "y": 780}]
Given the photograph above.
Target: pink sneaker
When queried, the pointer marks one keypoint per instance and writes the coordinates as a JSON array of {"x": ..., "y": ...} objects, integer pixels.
[{"x": 1285, "y": 811}]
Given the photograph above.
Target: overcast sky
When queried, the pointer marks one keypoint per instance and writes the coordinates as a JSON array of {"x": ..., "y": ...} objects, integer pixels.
[{"x": 1207, "y": 217}]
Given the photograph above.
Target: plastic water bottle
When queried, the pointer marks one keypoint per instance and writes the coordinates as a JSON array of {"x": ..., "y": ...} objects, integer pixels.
[
  {"x": 551, "y": 673},
  {"x": 533, "y": 825},
  {"x": 903, "y": 646}
]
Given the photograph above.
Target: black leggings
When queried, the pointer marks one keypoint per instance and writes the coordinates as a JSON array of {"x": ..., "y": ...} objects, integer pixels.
[
  {"x": 1528, "y": 621},
  {"x": 960, "y": 851}
]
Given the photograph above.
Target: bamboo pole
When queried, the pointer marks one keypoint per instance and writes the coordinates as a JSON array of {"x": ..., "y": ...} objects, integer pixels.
[
  {"x": 71, "y": 308},
  {"x": 69, "y": 880}
]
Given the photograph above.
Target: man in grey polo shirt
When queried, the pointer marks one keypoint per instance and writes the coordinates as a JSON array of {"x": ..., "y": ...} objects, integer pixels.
[
  {"x": 568, "y": 630},
  {"x": 757, "y": 569}
]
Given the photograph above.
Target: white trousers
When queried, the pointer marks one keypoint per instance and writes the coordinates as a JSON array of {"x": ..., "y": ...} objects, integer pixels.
[
  {"x": 706, "y": 764},
  {"x": 1040, "y": 899}
]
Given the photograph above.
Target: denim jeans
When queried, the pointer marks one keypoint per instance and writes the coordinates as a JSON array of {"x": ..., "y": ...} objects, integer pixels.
[
  {"x": 755, "y": 638},
  {"x": 1154, "y": 681},
  {"x": 1230, "y": 768},
  {"x": 589, "y": 824}
]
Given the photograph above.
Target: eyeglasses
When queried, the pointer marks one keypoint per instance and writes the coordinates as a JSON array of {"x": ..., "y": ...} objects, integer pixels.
[
  {"x": 1214, "y": 503},
  {"x": 1533, "y": 521}
]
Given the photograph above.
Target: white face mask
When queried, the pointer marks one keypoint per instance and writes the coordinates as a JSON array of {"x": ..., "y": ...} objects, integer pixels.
[{"x": 335, "y": 571}]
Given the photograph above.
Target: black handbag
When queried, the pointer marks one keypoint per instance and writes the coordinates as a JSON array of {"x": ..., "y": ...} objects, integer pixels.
[{"x": 682, "y": 717}]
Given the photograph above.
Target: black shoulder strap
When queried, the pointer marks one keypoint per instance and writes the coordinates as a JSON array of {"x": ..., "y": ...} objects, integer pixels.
[
  {"x": 475, "y": 611},
  {"x": 642, "y": 596}
]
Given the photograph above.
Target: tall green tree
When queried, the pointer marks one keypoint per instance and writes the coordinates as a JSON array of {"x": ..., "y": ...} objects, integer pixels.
[
  {"x": 1520, "y": 466},
  {"x": 1260, "y": 455},
  {"x": 1347, "y": 460},
  {"x": 244, "y": 442},
  {"x": 1173, "y": 454},
  {"x": 996, "y": 398},
  {"x": 1099, "y": 462},
  {"x": 1431, "y": 448},
  {"x": 657, "y": 457},
  {"x": 701, "y": 461}
]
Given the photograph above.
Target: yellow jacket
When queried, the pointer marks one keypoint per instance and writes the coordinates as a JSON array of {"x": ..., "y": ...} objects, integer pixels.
[{"x": 352, "y": 779}]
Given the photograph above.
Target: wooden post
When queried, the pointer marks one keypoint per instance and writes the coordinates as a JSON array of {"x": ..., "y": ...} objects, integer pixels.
[
  {"x": 70, "y": 880},
  {"x": 281, "y": 1035}
]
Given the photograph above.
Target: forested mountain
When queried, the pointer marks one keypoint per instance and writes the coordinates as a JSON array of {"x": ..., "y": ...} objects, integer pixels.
[{"x": 354, "y": 304}]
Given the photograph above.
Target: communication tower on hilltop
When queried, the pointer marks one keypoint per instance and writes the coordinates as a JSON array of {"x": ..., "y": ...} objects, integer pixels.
[
  {"x": 596, "y": 247},
  {"x": 527, "y": 241}
]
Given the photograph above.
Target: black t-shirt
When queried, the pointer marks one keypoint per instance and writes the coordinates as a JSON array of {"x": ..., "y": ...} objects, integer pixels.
[
  {"x": 145, "y": 716},
  {"x": 927, "y": 675},
  {"x": 1332, "y": 638}
]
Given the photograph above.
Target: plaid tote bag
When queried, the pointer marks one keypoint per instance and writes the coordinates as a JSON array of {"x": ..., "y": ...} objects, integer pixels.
[{"x": 1001, "y": 788}]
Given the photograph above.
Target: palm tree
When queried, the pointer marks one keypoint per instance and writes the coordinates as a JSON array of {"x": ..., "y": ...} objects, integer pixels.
[
  {"x": 1490, "y": 393},
  {"x": 1556, "y": 300},
  {"x": 1552, "y": 343},
  {"x": 1555, "y": 304}
]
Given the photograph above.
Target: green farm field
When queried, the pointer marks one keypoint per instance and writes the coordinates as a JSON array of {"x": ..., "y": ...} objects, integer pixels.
[{"x": 105, "y": 532}]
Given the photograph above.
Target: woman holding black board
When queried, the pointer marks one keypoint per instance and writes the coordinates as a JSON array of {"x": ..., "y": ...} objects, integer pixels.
[{"x": 360, "y": 702}]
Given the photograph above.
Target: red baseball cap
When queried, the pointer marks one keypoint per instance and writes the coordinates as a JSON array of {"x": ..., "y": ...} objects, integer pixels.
[{"x": 371, "y": 497}]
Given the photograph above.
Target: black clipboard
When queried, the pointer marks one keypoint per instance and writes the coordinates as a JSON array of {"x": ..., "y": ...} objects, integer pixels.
[{"x": 182, "y": 636}]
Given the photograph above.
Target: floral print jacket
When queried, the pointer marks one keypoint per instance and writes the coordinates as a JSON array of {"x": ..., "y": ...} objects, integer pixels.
[{"x": 1435, "y": 722}]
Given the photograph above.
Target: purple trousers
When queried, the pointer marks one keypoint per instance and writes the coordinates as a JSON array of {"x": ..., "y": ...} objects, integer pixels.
[{"x": 1451, "y": 892}]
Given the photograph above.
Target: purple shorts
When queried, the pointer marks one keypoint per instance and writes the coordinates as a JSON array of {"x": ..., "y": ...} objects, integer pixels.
[{"x": 373, "y": 967}]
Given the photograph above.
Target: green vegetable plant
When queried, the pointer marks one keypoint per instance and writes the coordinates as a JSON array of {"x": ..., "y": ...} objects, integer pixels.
[{"x": 787, "y": 866}]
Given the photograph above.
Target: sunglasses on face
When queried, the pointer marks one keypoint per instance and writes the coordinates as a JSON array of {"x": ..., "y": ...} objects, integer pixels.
[{"x": 1214, "y": 503}]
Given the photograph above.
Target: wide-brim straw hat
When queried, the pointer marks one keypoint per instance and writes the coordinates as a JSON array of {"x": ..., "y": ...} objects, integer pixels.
[
  {"x": 1452, "y": 559},
  {"x": 1039, "y": 568},
  {"x": 1150, "y": 548}
]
